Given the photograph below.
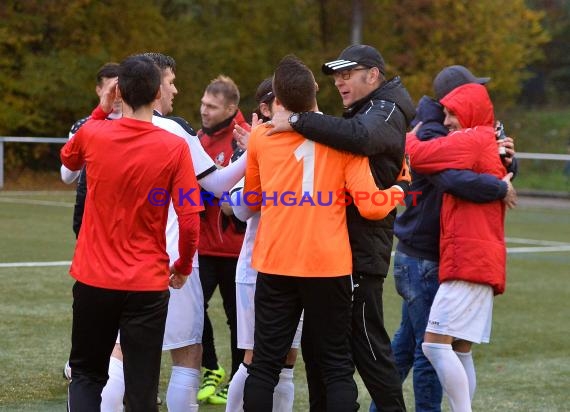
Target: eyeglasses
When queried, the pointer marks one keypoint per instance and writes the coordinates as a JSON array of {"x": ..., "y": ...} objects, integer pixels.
[{"x": 347, "y": 73}]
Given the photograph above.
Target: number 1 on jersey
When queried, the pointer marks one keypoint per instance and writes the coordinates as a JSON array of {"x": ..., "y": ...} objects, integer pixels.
[{"x": 306, "y": 152}]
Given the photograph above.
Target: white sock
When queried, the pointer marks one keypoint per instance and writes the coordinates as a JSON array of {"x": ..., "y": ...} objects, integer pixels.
[
  {"x": 283, "y": 396},
  {"x": 451, "y": 374},
  {"x": 114, "y": 390},
  {"x": 284, "y": 393},
  {"x": 182, "y": 389},
  {"x": 466, "y": 359},
  {"x": 235, "y": 391}
]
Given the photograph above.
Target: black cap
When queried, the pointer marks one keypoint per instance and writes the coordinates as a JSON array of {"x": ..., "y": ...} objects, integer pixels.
[
  {"x": 452, "y": 77},
  {"x": 352, "y": 56},
  {"x": 264, "y": 92}
]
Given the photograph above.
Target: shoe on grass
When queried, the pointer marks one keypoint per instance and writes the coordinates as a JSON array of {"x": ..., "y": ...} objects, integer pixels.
[
  {"x": 220, "y": 398},
  {"x": 211, "y": 379}
]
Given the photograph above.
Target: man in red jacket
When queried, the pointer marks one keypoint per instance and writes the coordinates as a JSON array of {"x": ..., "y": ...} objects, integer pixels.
[
  {"x": 221, "y": 233},
  {"x": 472, "y": 246}
]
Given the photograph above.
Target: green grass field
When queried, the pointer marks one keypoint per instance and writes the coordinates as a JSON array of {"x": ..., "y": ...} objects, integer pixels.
[{"x": 525, "y": 368}]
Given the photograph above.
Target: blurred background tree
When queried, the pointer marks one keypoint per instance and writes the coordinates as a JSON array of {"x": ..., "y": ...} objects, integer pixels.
[
  {"x": 550, "y": 82},
  {"x": 50, "y": 50}
]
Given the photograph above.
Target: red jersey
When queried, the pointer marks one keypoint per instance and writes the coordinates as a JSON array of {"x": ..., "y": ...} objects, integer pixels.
[{"x": 131, "y": 165}]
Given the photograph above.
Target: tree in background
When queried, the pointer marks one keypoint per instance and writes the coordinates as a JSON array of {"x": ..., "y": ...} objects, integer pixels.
[
  {"x": 496, "y": 39},
  {"x": 551, "y": 80},
  {"x": 51, "y": 50},
  {"x": 242, "y": 39}
]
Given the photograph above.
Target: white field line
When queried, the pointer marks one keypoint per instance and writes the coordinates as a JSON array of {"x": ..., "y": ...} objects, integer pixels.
[
  {"x": 510, "y": 250},
  {"x": 539, "y": 249},
  {"x": 34, "y": 264},
  {"x": 535, "y": 242},
  {"x": 545, "y": 246},
  {"x": 37, "y": 192},
  {"x": 35, "y": 202}
]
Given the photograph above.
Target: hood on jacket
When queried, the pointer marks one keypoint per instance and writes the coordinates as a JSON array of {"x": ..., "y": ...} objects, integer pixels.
[
  {"x": 430, "y": 113},
  {"x": 429, "y": 110},
  {"x": 471, "y": 104}
]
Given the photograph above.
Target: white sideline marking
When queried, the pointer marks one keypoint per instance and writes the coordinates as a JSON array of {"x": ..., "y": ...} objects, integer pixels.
[
  {"x": 559, "y": 247},
  {"x": 35, "y": 264},
  {"x": 535, "y": 242},
  {"x": 39, "y": 192},
  {"x": 545, "y": 246},
  {"x": 35, "y": 202},
  {"x": 562, "y": 248}
]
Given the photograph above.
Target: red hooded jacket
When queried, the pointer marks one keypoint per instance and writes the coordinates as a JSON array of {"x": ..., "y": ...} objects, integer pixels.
[{"x": 472, "y": 246}]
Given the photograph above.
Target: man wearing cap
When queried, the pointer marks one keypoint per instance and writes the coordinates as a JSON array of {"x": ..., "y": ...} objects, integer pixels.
[
  {"x": 454, "y": 76},
  {"x": 416, "y": 261},
  {"x": 377, "y": 114}
]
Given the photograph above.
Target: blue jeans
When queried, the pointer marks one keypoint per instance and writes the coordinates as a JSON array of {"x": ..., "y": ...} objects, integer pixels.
[{"x": 417, "y": 283}]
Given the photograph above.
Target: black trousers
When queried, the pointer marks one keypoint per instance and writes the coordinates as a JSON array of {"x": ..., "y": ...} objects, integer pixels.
[
  {"x": 219, "y": 271},
  {"x": 279, "y": 301},
  {"x": 371, "y": 345},
  {"x": 98, "y": 315}
]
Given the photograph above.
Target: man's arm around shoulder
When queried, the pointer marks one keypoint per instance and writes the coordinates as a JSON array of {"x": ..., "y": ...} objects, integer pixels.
[{"x": 380, "y": 129}]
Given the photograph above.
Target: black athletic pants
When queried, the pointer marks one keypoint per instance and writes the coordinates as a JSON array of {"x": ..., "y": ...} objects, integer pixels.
[
  {"x": 371, "y": 346},
  {"x": 279, "y": 301},
  {"x": 98, "y": 315},
  {"x": 219, "y": 271}
]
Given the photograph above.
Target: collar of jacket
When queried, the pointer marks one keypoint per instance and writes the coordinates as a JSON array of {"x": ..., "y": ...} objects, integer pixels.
[
  {"x": 211, "y": 130},
  {"x": 356, "y": 106}
]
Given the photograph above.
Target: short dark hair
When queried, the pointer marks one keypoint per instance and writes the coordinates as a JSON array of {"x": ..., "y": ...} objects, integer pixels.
[
  {"x": 162, "y": 61},
  {"x": 139, "y": 81},
  {"x": 107, "y": 71},
  {"x": 294, "y": 85}
]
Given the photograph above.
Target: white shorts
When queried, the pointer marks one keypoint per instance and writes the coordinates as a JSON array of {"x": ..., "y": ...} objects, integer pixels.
[
  {"x": 463, "y": 310},
  {"x": 185, "y": 319},
  {"x": 245, "y": 294}
]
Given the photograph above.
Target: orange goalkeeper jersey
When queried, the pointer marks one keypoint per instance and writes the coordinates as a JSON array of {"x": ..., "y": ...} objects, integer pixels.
[{"x": 298, "y": 186}]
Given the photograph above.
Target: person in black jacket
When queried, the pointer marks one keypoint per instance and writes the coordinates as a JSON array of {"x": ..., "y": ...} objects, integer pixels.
[{"x": 376, "y": 117}]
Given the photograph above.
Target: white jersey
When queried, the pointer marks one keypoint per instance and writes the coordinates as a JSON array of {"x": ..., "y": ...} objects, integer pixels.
[
  {"x": 202, "y": 165},
  {"x": 245, "y": 273},
  {"x": 185, "y": 319}
]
